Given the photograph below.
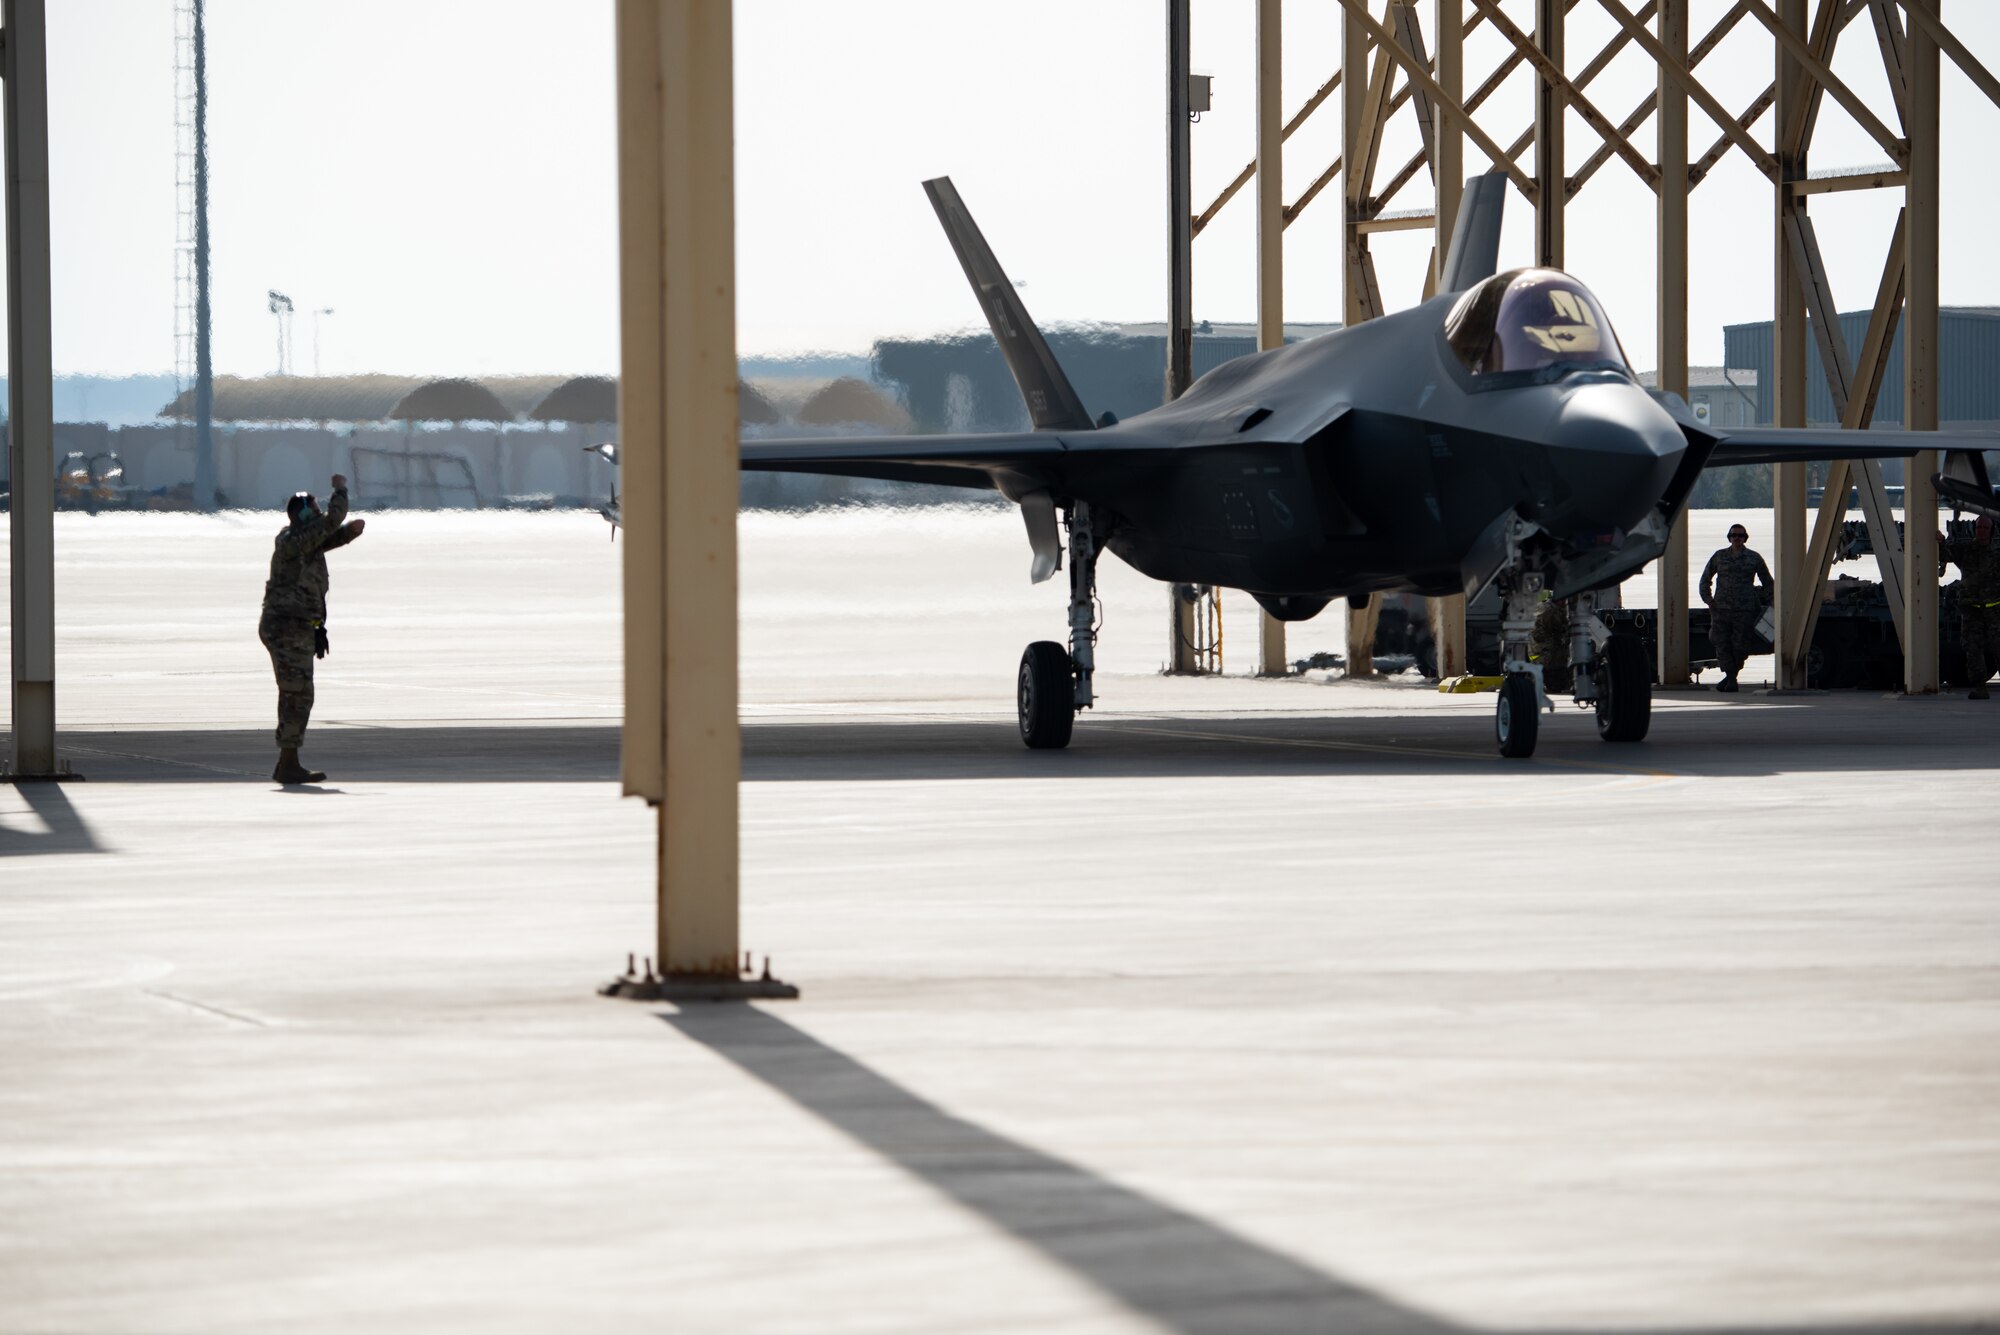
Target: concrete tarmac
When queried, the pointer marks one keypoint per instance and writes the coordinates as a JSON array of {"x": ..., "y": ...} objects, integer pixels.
[{"x": 1268, "y": 1006}]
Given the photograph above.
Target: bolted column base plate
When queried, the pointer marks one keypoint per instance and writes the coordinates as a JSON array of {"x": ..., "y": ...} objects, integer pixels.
[{"x": 699, "y": 987}]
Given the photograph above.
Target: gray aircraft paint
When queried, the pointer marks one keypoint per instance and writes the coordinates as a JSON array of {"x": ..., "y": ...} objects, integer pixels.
[{"x": 1365, "y": 459}]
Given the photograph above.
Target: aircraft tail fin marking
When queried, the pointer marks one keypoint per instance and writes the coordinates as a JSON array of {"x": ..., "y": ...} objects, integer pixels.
[
  {"x": 1475, "y": 236},
  {"x": 1052, "y": 404}
]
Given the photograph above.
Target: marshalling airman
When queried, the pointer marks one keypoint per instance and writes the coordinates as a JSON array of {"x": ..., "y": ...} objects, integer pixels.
[{"x": 293, "y": 626}]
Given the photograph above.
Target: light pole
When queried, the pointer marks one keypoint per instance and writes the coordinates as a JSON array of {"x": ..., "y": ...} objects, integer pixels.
[
  {"x": 317, "y": 312},
  {"x": 204, "y": 364},
  {"x": 280, "y": 305}
]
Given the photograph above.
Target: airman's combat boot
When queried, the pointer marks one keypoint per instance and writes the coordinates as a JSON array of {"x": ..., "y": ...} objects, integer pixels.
[{"x": 291, "y": 771}]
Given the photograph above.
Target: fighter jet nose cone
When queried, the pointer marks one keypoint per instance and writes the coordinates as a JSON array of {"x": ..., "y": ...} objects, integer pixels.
[{"x": 1613, "y": 452}]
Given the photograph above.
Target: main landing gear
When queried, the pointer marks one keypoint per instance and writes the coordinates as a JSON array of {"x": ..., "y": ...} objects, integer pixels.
[
  {"x": 1611, "y": 673},
  {"x": 1624, "y": 690},
  {"x": 1056, "y": 682}
]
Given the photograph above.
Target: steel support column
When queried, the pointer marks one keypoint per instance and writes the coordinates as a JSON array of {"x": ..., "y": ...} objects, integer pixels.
[
  {"x": 1856, "y": 389},
  {"x": 1671, "y": 624},
  {"x": 1270, "y": 249},
  {"x": 1181, "y": 658},
  {"x": 1357, "y": 126},
  {"x": 1788, "y": 481},
  {"x": 1920, "y": 359},
  {"x": 677, "y": 431},
  {"x": 31, "y": 428},
  {"x": 1447, "y": 614},
  {"x": 1551, "y": 180},
  {"x": 1180, "y": 208}
]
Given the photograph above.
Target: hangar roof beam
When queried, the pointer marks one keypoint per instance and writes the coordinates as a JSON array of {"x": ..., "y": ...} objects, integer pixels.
[
  {"x": 1685, "y": 79},
  {"x": 1573, "y": 93},
  {"x": 1896, "y": 148},
  {"x": 1981, "y": 77},
  {"x": 1649, "y": 103},
  {"x": 1451, "y": 107}
]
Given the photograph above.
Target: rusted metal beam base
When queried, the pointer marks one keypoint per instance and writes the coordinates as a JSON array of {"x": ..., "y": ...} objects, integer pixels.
[
  {"x": 633, "y": 985},
  {"x": 62, "y": 775},
  {"x": 699, "y": 988}
]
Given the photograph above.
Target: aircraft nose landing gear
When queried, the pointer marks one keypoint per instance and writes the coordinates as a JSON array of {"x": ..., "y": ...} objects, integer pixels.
[
  {"x": 1517, "y": 717},
  {"x": 1054, "y": 682}
]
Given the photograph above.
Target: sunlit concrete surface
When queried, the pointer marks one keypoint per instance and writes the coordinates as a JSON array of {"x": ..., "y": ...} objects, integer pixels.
[{"x": 1268, "y": 1006}]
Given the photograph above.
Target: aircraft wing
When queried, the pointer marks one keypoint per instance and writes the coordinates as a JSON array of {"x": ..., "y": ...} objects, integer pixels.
[
  {"x": 1012, "y": 462},
  {"x": 1792, "y": 444}
]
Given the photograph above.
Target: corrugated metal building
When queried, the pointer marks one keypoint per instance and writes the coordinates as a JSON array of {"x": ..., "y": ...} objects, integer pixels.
[
  {"x": 961, "y": 382},
  {"x": 1968, "y": 366},
  {"x": 1720, "y": 397}
]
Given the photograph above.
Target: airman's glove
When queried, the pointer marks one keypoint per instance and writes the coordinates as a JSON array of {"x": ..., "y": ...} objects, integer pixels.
[{"x": 320, "y": 646}]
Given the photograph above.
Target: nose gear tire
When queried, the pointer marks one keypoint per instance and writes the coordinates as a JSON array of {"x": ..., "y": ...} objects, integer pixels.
[
  {"x": 1517, "y": 718},
  {"x": 1046, "y": 696},
  {"x": 1624, "y": 690}
]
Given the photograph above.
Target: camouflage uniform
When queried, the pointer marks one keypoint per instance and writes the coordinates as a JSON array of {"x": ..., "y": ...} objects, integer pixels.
[
  {"x": 1548, "y": 644},
  {"x": 295, "y": 608},
  {"x": 1728, "y": 586},
  {"x": 1978, "y": 604}
]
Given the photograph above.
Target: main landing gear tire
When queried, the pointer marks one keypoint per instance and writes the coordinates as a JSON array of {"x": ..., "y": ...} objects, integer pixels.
[
  {"x": 1046, "y": 696},
  {"x": 1518, "y": 717},
  {"x": 1624, "y": 690}
]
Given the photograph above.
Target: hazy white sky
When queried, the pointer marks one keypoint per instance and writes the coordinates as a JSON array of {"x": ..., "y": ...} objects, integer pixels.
[{"x": 441, "y": 173}]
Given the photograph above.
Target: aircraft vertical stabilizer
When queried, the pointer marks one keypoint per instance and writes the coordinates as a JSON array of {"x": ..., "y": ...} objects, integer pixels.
[
  {"x": 1052, "y": 404},
  {"x": 1475, "y": 237}
]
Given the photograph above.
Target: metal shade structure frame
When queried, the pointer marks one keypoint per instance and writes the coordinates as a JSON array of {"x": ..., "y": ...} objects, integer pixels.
[
  {"x": 24, "y": 85},
  {"x": 1386, "y": 68}
]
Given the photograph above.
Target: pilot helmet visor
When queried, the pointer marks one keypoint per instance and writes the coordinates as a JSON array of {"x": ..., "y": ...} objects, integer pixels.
[{"x": 1527, "y": 320}]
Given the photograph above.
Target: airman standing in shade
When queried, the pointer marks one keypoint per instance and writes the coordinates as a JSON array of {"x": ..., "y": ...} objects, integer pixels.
[
  {"x": 293, "y": 626},
  {"x": 1729, "y": 587},
  {"x": 1978, "y": 562},
  {"x": 1548, "y": 644}
]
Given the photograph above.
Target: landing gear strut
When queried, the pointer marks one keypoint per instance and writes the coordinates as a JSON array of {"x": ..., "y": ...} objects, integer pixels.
[
  {"x": 1056, "y": 682},
  {"x": 1517, "y": 718}
]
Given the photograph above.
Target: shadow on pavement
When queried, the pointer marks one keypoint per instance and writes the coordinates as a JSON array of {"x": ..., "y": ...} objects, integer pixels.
[
  {"x": 1181, "y": 1271},
  {"x": 67, "y": 830},
  {"x": 1804, "y": 736}
]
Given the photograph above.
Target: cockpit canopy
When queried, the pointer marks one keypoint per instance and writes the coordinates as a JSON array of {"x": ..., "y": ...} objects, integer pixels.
[{"x": 1525, "y": 322}]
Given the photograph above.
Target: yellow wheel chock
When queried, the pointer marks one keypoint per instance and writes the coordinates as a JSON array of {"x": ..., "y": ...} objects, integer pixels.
[{"x": 1469, "y": 685}]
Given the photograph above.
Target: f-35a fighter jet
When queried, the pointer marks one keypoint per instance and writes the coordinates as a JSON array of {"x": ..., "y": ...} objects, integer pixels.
[{"x": 1492, "y": 436}]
